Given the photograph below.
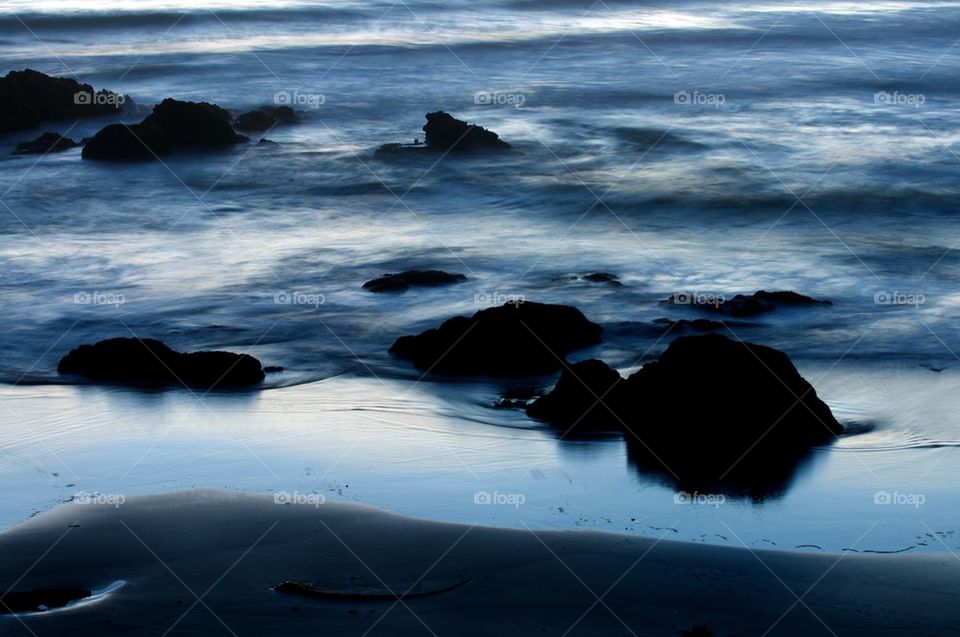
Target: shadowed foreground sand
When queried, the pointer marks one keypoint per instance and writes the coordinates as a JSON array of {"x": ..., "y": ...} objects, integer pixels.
[{"x": 229, "y": 549}]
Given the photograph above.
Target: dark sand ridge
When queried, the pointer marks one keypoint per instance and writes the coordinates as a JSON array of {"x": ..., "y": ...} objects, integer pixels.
[{"x": 231, "y": 548}]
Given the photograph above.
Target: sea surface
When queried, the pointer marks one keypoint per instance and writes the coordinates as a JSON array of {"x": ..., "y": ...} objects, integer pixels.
[{"x": 710, "y": 148}]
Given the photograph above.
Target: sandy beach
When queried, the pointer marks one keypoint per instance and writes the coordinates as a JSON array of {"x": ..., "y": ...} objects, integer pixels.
[{"x": 205, "y": 562}]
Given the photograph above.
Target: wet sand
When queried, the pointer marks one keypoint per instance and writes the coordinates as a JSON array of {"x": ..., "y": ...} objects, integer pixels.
[{"x": 205, "y": 562}]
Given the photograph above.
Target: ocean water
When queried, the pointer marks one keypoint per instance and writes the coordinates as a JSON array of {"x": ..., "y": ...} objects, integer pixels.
[{"x": 709, "y": 147}]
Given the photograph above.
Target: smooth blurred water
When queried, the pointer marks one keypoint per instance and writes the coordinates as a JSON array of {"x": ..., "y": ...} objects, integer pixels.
[{"x": 716, "y": 147}]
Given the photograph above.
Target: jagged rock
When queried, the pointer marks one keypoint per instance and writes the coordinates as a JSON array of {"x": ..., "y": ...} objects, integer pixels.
[{"x": 445, "y": 133}]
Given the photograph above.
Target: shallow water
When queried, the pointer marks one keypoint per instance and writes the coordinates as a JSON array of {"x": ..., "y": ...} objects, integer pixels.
[
  {"x": 443, "y": 453},
  {"x": 712, "y": 147}
]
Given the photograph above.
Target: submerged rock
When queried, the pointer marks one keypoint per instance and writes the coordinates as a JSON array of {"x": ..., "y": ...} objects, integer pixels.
[
  {"x": 709, "y": 409},
  {"x": 150, "y": 362},
  {"x": 265, "y": 118},
  {"x": 173, "y": 125},
  {"x": 602, "y": 277},
  {"x": 29, "y": 97},
  {"x": 516, "y": 339},
  {"x": 46, "y": 143},
  {"x": 446, "y": 133},
  {"x": 743, "y": 305},
  {"x": 412, "y": 278}
]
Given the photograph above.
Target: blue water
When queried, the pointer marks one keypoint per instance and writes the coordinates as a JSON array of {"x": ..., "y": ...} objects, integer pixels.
[{"x": 706, "y": 146}]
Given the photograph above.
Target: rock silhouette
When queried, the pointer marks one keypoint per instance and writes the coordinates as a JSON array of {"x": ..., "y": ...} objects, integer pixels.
[
  {"x": 149, "y": 362},
  {"x": 173, "y": 125},
  {"x": 29, "y": 97},
  {"x": 46, "y": 143},
  {"x": 515, "y": 339},
  {"x": 412, "y": 278},
  {"x": 446, "y": 133},
  {"x": 709, "y": 411},
  {"x": 264, "y": 118}
]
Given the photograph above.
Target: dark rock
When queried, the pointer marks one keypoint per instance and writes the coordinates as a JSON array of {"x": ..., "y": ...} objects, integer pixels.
[
  {"x": 743, "y": 305},
  {"x": 602, "y": 277},
  {"x": 511, "y": 340},
  {"x": 265, "y": 118},
  {"x": 29, "y": 97},
  {"x": 150, "y": 362},
  {"x": 580, "y": 398},
  {"x": 711, "y": 412},
  {"x": 125, "y": 142},
  {"x": 173, "y": 125},
  {"x": 46, "y": 143},
  {"x": 39, "y": 600},
  {"x": 189, "y": 124},
  {"x": 405, "y": 280},
  {"x": 272, "y": 369},
  {"x": 787, "y": 297},
  {"x": 445, "y": 132}
]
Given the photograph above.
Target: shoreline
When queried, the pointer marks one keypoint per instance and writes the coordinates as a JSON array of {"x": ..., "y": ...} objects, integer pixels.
[{"x": 230, "y": 549}]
